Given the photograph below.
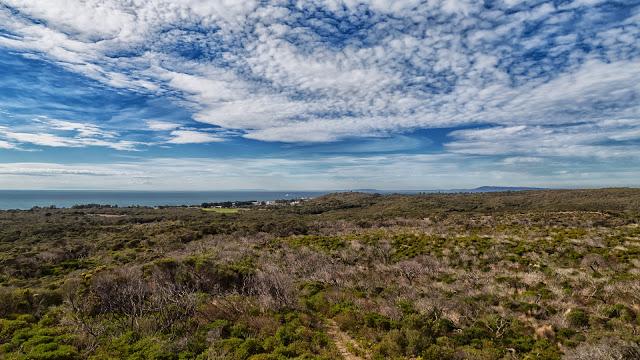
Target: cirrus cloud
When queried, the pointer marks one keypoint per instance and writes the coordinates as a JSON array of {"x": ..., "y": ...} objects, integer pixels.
[{"x": 192, "y": 137}]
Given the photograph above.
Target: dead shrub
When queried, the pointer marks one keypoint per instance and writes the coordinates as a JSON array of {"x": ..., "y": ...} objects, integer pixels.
[
  {"x": 273, "y": 287},
  {"x": 606, "y": 349}
]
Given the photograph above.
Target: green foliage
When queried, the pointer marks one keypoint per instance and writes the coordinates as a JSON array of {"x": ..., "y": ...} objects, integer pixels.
[
  {"x": 438, "y": 352},
  {"x": 324, "y": 243},
  {"x": 9, "y": 327},
  {"x": 577, "y": 318},
  {"x": 297, "y": 337},
  {"x": 620, "y": 311},
  {"x": 133, "y": 346},
  {"x": 569, "y": 337},
  {"x": 313, "y": 297},
  {"x": 29, "y": 341},
  {"x": 543, "y": 350},
  {"x": 406, "y": 246}
]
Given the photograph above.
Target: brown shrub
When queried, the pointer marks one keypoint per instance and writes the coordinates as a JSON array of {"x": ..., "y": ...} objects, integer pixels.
[{"x": 605, "y": 349}]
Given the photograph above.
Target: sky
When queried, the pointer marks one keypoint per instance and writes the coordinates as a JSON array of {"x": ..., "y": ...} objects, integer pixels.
[{"x": 318, "y": 95}]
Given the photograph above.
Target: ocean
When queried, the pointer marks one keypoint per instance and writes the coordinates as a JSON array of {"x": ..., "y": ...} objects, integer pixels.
[{"x": 26, "y": 199}]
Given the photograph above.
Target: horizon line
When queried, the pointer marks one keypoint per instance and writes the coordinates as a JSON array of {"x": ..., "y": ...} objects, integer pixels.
[{"x": 531, "y": 188}]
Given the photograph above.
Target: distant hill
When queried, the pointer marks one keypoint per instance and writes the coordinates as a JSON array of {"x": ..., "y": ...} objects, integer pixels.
[
  {"x": 360, "y": 204},
  {"x": 481, "y": 189},
  {"x": 498, "y": 189}
]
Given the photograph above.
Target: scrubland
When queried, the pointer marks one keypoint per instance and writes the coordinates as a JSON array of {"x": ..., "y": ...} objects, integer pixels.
[{"x": 519, "y": 275}]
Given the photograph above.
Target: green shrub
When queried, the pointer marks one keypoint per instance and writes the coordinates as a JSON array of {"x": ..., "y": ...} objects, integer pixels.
[
  {"x": 577, "y": 318},
  {"x": 391, "y": 346},
  {"x": 313, "y": 297},
  {"x": 473, "y": 333},
  {"x": 619, "y": 311},
  {"x": 378, "y": 321},
  {"x": 438, "y": 352},
  {"x": 543, "y": 350},
  {"x": 323, "y": 243},
  {"x": 40, "y": 343},
  {"x": 248, "y": 348},
  {"x": 134, "y": 346},
  {"x": 9, "y": 327}
]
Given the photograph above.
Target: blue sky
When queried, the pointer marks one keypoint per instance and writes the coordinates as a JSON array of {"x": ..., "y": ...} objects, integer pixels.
[{"x": 407, "y": 94}]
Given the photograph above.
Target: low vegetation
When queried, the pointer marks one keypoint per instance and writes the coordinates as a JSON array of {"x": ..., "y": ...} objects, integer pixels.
[
  {"x": 520, "y": 275},
  {"x": 223, "y": 210}
]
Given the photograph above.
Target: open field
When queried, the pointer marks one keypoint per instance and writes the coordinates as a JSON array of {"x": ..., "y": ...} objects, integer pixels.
[{"x": 522, "y": 275}]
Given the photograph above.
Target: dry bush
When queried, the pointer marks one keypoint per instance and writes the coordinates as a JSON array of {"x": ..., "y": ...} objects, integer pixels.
[
  {"x": 410, "y": 270},
  {"x": 606, "y": 349},
  {"x": 273, "y": 287},
  {"x": 594, "y": 263},
  {"x": 122, "y": 291},
  {"x": 127, "y": 297},
  {"x": 228, "y": 307},
  {"x": 545, "y": 332},
  {"x": 169, "y": 305},
  {"x": 419, "y": 269},
  {"x": 333, "y": 228},
  {"x": 305, "y": 264}
]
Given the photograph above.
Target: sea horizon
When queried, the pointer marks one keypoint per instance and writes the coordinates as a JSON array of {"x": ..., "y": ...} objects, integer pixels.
[
  {"x": 27, "y": 199},
  {"x": 23, "y": 199}
]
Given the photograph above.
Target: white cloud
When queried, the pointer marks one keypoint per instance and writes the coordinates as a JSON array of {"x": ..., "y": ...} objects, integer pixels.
[
  {"x": 6, "y": 145},
  {"x": 156, "y": 125},
  {"x": 48, "y": 169},
  {"x": 605, "y": 140},
  {"x": 522, "y": 160},
  {"x": 40, "y": 139},
  {"x": 86, "y": 135},
  {"x": 83, "y": 129},
  {"x": 192, "y": 137},
  {"x": 307, "y": 82}
]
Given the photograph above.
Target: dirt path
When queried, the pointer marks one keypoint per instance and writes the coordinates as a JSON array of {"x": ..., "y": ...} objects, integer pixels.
[{"x": 343, "y": 341}]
